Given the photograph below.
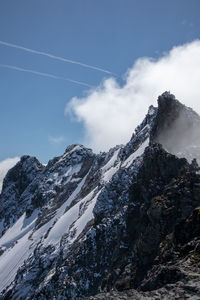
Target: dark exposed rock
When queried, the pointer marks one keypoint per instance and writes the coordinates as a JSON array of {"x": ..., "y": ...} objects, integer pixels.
[
  {"x": 15, "y": 183},
  {"x": 176, "y": 127}
]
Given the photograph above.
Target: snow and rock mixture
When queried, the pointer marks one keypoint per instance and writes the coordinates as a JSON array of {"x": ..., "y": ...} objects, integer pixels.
[{"x": 118, "y": 225}]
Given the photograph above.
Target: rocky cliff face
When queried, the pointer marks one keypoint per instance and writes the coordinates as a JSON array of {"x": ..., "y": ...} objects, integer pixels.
[
  {"x": 177, "y": 128},
  {"x": 12, "y": 204},
  {"x": 117, "y": 225}
]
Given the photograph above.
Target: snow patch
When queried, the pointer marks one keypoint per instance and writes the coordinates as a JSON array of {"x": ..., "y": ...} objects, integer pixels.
[
  {"x": 111, "y": 167},
  {"x": 18, "y": 230},
  {"x": 87, "y": 216},
  {"x": 107, "y": 176},
  {"x": 66, "y": 220},
  {"x": 127, "y": 163},
  {"x": 12, "y": 259}
]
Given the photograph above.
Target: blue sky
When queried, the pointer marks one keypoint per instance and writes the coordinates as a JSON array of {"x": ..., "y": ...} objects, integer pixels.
[{"x": 109, "y": 34}]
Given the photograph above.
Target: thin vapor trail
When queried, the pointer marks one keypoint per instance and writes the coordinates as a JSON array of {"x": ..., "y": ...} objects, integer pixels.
[
  {"x": 55, "y": 57},
  {"x": 45, "y": 75}
]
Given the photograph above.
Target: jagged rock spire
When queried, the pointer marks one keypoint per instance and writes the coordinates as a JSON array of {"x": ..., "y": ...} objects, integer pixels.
[{"x": 176, "y": 127}]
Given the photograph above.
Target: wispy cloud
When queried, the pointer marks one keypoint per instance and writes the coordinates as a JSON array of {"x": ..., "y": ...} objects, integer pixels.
[
  {"x": 55, "y": 57},
  {"x": 56, "y": 140},
  {"x": 45, "y": 74},
  {"x": 111, "y": 112},
  {"x": 5, "y": 165}
]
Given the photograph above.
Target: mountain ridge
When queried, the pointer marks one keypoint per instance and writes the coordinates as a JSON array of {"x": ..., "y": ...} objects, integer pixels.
[{"x": 89, "y": 223}]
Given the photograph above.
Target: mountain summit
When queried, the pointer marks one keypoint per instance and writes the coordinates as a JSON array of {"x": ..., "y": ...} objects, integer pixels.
[
  {"x": 117, "y": 225},
  {"x": 177, "y": 128}
]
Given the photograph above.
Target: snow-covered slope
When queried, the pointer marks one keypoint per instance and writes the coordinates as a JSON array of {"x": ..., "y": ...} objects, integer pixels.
[
  {"x": 53, "y": 216},
  {"x": 60, "y": 199}
]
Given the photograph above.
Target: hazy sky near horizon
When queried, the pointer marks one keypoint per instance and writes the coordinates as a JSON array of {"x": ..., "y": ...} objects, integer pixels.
[{"x": 45, "y": 101}]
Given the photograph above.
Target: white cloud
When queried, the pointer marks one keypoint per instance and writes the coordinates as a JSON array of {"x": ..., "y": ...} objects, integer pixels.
[
  {"x": 5, "y": 165},
  {"x": 111, "y": 112}
]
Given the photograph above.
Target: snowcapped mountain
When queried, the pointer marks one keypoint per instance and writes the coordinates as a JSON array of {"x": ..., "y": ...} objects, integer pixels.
[{"x": 88, "y": 223}]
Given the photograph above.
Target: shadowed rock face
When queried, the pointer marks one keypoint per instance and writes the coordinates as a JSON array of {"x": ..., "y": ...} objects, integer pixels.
[
  {"x": 176, "y": 127},
  {"x": 142, "y": 241},
  {"x": 15, "y": 183}
]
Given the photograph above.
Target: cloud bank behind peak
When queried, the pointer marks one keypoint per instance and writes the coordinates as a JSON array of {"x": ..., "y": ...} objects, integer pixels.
[{"x": 111, "y": 112}]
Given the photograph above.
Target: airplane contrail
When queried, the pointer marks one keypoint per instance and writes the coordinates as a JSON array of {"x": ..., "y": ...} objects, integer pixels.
[
  {"x": 45, "y": 75},
  {"x": 55, "y": 57}
]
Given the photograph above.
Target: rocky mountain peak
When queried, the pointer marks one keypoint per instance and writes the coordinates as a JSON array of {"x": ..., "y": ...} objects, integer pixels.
[
  {"x": 76, "y": 147},
  {"x": 15, "y": 183},
  {"x": 169, "y": 111},
  {"x": 176, "y": 127},
  {"x": 22, "y": 173},
  {"x": 89, "y": 223}
]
